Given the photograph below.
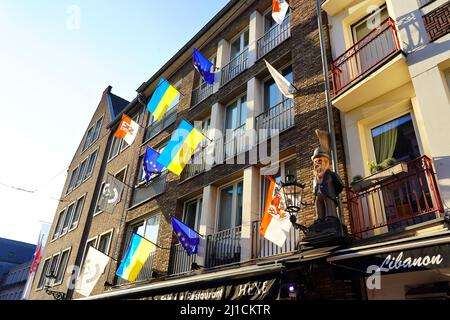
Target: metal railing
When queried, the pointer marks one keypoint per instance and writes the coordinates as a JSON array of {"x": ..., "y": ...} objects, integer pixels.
[
  {"x": 396, "y": 201},
  {"x": 234, "y": 143},
  {"x": 180, "y": 261},
  {"x": 365, "y": 55},
  {"x": 223, "y": 247},
  {"x": 143, "y": 192},
  {"x": 196, "y": 165},
  {"x": 274, "y": 37},
  {"x": 146, "y": 273},
  {"x": 261, "y": 247},
  {"x": 158, "y": 126},
  {"x": 277, "y": 118},
  {"x": 201, "y": 93},
  {"x": 235, "y": 67}
]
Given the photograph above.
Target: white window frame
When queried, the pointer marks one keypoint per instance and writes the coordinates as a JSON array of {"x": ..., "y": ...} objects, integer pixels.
[
  {"x": 69, "y": 250},
  {"x": 72, "y": 183},
  {"x": 81, "y": 212},
  {"x": 58, "y": 255},
  {"x": 268, "y": 78},
  {"x": 111, "y": 233},
  {"x": 93, "y": 138},
  {"x": 43, "y": 272},
  {"x": 141, "y": 174},
  {"x": 241, "y": 35},
  {"x": 86, "y": 176},
  {"x": 55, "y": 235},
  {"x": 239, "y": 108},
  {"x": 234, "y": 203},
  {"x": 96, "y": 213},
  {"x": 110, "y": 158},
  {"x": 70, "y": 218},
  {"x": 198, "y": 211}
]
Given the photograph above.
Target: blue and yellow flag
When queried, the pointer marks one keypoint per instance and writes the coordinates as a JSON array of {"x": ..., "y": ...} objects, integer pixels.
[
  {"x": 137, "y": 254},
  {"x": 163, "y": 96},
  {"x": 180, "y": 148}
]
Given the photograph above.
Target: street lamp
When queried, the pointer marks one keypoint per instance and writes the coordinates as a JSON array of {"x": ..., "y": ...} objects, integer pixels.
[
  {"x": 293, "y": 196},
  {"x": 49, "y": 280}
]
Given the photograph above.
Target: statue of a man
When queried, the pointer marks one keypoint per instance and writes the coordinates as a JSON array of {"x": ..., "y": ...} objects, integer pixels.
[{"x": 326, "y": 185}]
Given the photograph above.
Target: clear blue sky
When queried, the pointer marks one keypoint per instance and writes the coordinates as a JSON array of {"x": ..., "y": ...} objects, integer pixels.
[{"x": 54, "y": 66}]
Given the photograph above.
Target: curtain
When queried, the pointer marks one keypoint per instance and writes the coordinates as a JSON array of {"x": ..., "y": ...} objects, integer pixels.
[{"x": 386, "y": 141}]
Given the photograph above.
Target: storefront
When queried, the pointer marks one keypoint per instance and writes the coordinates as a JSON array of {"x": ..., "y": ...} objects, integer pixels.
[{"x": 418, "y": 268}]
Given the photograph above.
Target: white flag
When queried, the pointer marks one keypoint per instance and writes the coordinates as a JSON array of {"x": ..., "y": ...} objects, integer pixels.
[
  {"x": 279, "y": 10},
  {"x": 93, "y": 268},
  {"x": 286, "y": 88}
]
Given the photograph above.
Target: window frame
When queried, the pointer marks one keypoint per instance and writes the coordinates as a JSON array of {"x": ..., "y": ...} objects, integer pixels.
[
  {"x": 109, "y": 232},
  {"x": 89, "y": 140},
  {"x": 56, "y": 235},
  {"x": 234, "y": 204},
  {"x": 364, "y": 19},
  {"x": 43, "y": 273},
  {"x": 66, "y": 263},
  {"x": 72, "y": 227},
  {"x": 242, "y": 46},
  {"x": 88, "y": 174},
  {"x": 96, "y": 213},
  {"x": 269, "y": 78},
  {"x": 72, "y": 204},
  {"x": 198, "y": 210},
  {"x": 239, "y": 111}
]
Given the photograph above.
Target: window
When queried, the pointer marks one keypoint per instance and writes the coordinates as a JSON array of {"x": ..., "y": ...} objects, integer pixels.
[
  {"x": 59, "y": 224},
  {"x": 124, "y": 144},
  {"x": 98, "y": 128},
  {"x": 90, "y": 165},
  {"x": 62, "y": 266},
  {"x": 396, "y": 139},
  {"x": 87, "y": 141},
  {"x": 105, "y": 242},
  {"x": 174, "y": 104},
  {"x": 368, "y": 24},
  {"x": 77, "y": 215},
  {"x": 230, "y": 206},
  {"x": 68, "y": 219},
  {"x": 148, "y": 228},
  {"x": 239, "y": 45},
  {"x": 81, "y": 173},
  {"x": 53, "y": 264},
  {"x": 272, "y": 95},
  {"x": 115, "y": 147},
  {"x": 72, "y": 180},
  {"x": 92, "y": 134},
  {"x": 97, "y": 208},
  {"x": 192, "y": 213},
  {"x": 236, "y": 113},
  {"x": 90, "y": 243},
  {"x": 121, "y": 175}
]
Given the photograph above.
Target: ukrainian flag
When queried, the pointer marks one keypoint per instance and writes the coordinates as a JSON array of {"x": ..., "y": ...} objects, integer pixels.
[
  {"x": 163, "y": 96},
  {"x": 135, "y": 258},
  {"x": 180, "y": 148}
]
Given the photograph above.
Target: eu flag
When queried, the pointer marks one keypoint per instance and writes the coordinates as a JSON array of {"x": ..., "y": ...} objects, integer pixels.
[
  {"x": 151, "y": 166},
  {"x": 203, "y": 66},
  {"x": 188, "y": 238}
]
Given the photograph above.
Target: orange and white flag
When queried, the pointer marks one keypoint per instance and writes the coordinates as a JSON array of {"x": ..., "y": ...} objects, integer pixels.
[
  {"x": 275, "y": 224},
  {"x": 279, "y": 10},
  {"x": 127, "y": 130}
]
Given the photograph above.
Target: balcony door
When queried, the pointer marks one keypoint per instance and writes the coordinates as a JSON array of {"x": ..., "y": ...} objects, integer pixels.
[
  {"x": 230, "y": 206},
  {"x": 239, "y": 44},
  {"x": 371, "y": 49},
  {"x": 192, "y": 213},
  {"x": 235, "y": 119},
  {"x": 272, "y": 95}
]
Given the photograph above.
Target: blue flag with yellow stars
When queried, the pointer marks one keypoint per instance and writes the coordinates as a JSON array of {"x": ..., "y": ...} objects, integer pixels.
[
  {"x": 188, "y": 238},
  {"x": 151, "y": 166}
]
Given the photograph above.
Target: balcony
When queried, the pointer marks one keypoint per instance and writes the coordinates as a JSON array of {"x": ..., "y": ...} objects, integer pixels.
[
  {"x": 262, "y": 248},
  {"x": 223, "y": 248},
  {"x": 158, "y": 126},
  {"x": 370, "y": 68},
  {"x": 396, "y": 201},
  {"x": 231, "y": 145},
  {"x": 143, "y": 192},
  {"x": 235, "y": 67},
  {"x": 274, "y": 37},
  {"x": 278, "y": 119},
  {"x": 196, "y": 165},
  {"x": 201, "y": 93},
  {"x": 180, "y": 261},
  {"x": 146, "y": 273}
]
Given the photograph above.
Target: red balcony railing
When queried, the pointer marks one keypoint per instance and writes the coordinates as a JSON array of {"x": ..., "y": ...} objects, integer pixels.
[
  {"x": 365, "y": 55},
  {"x": 407, "y": 198}
]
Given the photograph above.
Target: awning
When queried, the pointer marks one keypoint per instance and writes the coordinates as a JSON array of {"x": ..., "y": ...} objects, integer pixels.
[
  {"x": 409, "y": 256},
  {"x": 247, "y": 283}
]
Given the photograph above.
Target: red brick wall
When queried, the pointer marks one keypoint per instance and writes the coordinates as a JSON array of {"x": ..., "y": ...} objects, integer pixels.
[{"x": 437, "y": 22}]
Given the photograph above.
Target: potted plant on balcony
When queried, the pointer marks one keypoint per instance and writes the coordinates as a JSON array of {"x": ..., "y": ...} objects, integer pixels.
[{"x": 379, "y": 172}]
